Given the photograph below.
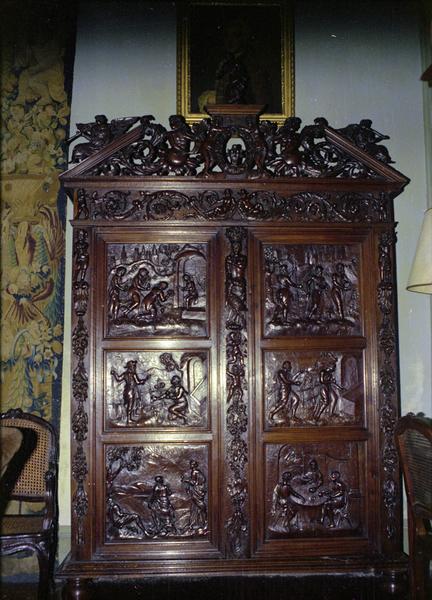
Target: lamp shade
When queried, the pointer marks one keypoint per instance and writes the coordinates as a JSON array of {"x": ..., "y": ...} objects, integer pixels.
[{"x": 420, "y": 279}]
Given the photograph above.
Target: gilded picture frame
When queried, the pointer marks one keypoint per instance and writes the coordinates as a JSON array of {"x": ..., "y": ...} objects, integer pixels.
[{"x": 235, "y": 51}]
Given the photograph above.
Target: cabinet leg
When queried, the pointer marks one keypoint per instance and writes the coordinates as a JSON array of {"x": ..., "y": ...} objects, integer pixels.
[
  {"x": 76, "y": 589},
  {"x": 394, "y": 584}
]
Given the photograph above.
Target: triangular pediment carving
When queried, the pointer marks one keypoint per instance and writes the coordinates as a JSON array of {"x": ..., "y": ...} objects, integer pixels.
[{"x": 232, "y": 144}]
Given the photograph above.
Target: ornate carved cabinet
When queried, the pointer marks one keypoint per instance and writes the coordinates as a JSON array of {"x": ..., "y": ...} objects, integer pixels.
[{"x": 234, "y": 344}]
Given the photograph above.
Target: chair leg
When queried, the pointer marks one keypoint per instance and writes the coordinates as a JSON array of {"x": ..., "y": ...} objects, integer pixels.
[
  {"x": 418, "y": 577},
  {"x": 45, "y": 575}
]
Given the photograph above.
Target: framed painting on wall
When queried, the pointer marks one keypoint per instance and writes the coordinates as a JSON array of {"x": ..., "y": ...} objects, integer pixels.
[{"x": 235, "y": 52}]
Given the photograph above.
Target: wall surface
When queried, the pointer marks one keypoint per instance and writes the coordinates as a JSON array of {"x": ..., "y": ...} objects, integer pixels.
[{"x": 350, "y": 64}]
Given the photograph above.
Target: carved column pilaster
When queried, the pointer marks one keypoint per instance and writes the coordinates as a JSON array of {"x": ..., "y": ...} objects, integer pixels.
[
  {"x": 80, "y": 342},
  {"x": 388, "y": 390},
  {"x": 237, "y": 523}
]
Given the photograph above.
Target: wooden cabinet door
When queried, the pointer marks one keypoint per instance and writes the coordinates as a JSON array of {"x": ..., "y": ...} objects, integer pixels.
[
  {"x": 313, "y": 404},
  {"x": 157, "y": 414}
]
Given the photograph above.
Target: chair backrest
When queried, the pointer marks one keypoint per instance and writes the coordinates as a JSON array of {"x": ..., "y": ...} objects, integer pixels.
[
  {"x": 413, "y": 435},
  {"x": 42, "y": 463}
]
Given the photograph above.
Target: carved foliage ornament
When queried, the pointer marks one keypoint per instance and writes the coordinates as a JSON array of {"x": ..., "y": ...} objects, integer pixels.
[
  {"x": 347, "y": 207},
  {"x": 257, "y": 149},
  {"x": 80, "y": 340},
  {"x": 387, "y": 381},
  {"x": 236, "y": 386}
]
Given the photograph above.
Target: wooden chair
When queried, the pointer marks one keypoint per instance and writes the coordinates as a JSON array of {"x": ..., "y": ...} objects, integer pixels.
[
  {"x": 37, "y": 483},
  {"x": 414, "y": 443}
]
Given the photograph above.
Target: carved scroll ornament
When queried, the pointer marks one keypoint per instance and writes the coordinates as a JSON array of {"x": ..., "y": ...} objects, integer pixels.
[{"x": 231, "y": 204}]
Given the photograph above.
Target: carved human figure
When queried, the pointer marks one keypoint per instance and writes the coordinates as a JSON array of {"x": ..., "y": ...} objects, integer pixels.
[
  {"x": 234, "y": 349},
  {"x": 121, "y": 519},
  {"x": 180, "y": 136},
  {"x": 224, "y": 207},
  {"x": 283, "y": 294},
  {"x": 236, "y": 155},
  {"x": 131, "y": 382},
  {"x": 195, "y": 483},
  {"x": 235, "y": 374},
  {"x": 328, "y": 397},
  {"x": 313, "y": 476},
  {"x": 283, "y": 508},
  {"x": 98, "y": 133},
  {"x": 247, "y": 207},
  {"x": 116, "y": 287},
  {"x": 206, "y": 132},
  {"x": 235, "y": 268},
  {"x": 259, "y": 146},
  {"x": 336, "y": 503},
  {"x": 315, "y": 285},
  {"x": 179, "y": 397},
  {"x": 81, "y": 255},
  {"x": 140, "y": 284},
  {"x": 190, "y": 292},
  {"x": 288, "y": 400},
  {"x": 163, "y": 513},
  {"x": 340, "y": 285},
  {"x": 154, "y": 299}
]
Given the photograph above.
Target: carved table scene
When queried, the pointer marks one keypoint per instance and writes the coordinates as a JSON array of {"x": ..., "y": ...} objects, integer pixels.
[{"x": 234, "y": 341}]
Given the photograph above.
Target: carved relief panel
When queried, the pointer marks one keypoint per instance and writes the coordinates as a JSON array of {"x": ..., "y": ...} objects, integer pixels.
[
  {"x": 311, "y": 289},
  {"x": 156, "y": 289},
  {"x": 313, "y": 490},
  {"x": 156, "y": 491},
  {"x": 313, "y": 388},
  {"x": 156, "y": 389}
]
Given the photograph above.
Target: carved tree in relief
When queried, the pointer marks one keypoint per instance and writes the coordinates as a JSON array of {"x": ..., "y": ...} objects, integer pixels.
[
  {"x": 157, "y": 288},
  {"x": 315, "y": 489},
  {"x": 169, "y": 389},
  {"x": 311, "y": 290},
  {"x": 156, "y": 491},
  {"x": 306, "y": 388}
]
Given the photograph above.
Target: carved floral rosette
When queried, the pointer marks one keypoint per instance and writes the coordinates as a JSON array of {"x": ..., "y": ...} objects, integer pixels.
[
  {"x": 388, "y": 384},
  {"x": 236, "y": 390},
  {"x": 80, "y": 342}
]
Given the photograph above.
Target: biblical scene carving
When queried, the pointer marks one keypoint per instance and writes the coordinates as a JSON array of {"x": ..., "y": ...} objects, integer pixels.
[
  {"x": 313, "y": 489},
  {"x": 311, "y": 290},
  {"x": 244, "y": 147},
  {"x": 157, "y": 289},
  {"x": 236, "y": 385},
  {"x": 156, "y": 491},
  {"x": 157, "y": 389},
  {"x": 313, "y": 388}
]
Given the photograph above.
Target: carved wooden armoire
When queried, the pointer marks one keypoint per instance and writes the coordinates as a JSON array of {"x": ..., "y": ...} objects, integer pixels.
[{"x": 234, "y": 380}]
